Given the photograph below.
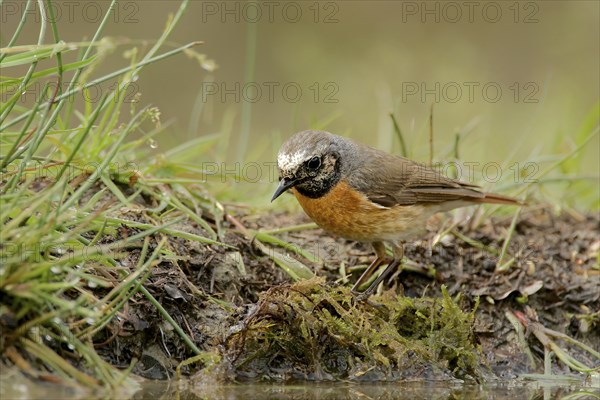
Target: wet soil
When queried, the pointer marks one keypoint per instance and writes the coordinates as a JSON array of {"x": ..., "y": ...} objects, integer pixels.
[
  {"x": 553, "y": 279},
  {"x": 236, "y": 304}
]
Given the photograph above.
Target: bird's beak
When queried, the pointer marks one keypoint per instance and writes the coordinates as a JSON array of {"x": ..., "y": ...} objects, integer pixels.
[{"x": 284, "y": 184}]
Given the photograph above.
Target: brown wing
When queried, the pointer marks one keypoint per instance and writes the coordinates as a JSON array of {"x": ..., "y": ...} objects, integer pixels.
[{"x": 392, "y": 180}]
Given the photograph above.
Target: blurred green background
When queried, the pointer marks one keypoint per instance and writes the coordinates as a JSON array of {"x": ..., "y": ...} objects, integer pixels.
[{"x": 354, "y": 63}]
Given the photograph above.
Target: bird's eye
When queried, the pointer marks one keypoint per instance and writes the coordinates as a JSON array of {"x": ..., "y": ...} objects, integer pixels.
[{"x": 314, "y": 163}]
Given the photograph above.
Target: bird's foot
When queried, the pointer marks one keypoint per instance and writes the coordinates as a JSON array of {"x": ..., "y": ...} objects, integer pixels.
[{"x": 363, "y": 297}]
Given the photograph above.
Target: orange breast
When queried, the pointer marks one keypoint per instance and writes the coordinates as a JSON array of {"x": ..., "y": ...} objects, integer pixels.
[{"x": 350, "y": 214}]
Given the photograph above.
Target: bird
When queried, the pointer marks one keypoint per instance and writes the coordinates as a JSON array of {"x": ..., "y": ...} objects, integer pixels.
[{"x": 364, "y": 194}]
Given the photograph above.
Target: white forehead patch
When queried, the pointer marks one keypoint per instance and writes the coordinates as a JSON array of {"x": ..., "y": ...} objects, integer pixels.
[{"x": 289, "y": 162}]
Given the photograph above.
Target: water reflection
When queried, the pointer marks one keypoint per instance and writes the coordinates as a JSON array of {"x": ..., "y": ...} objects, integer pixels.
[
  {"x": 14, "y": 385},
  {"x": 383, "y": 391}
]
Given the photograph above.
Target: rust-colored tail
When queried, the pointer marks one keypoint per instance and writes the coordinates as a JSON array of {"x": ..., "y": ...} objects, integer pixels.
[{"x": 493, "y": 198}]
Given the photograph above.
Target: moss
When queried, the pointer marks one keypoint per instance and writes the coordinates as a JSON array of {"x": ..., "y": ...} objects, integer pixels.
[{"x": 310, "y": 330}]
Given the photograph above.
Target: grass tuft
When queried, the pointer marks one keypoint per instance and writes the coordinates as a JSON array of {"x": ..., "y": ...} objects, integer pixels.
[{"x": 81, "y": 226}]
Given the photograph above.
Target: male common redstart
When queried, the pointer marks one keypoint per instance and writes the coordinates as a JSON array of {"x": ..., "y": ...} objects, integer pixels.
[{"x": 364, "y": 194}]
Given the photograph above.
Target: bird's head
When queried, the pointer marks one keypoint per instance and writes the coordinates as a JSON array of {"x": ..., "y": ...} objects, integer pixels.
[{"x": 310, "y": 162}]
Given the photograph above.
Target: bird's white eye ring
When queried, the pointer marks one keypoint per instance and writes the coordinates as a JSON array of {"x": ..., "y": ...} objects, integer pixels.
[{"x": 314, "y": 163}]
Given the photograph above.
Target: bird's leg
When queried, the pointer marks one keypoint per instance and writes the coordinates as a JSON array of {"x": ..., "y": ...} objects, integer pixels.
[
  {"x": 379, "y": 248},
  {"x": 398, "y": 255}
]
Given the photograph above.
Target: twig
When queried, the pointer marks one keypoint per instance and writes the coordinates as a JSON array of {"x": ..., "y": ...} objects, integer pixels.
[
  {"x": 543, "y": 335},
  {"x": 431, "y": 136},
  {"x": 403, "y": 150},
  {"x": 503, "y": 267}
]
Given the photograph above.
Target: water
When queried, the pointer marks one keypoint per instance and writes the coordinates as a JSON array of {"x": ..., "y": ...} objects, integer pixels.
[
  {"x": 405, "y": 391},
  {"x": 14, "y": 385}
]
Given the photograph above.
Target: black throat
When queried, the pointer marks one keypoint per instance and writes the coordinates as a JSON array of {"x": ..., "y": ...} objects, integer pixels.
[{"x": 319, "y": 186}]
